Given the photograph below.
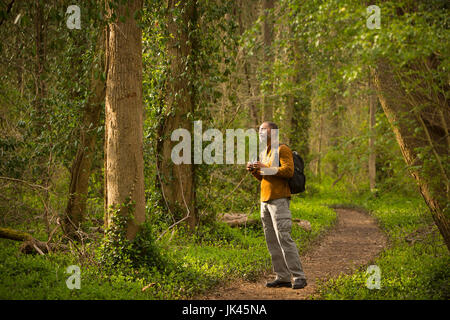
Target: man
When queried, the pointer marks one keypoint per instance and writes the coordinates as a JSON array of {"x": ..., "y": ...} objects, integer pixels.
[{"x": 274, "y": 170}]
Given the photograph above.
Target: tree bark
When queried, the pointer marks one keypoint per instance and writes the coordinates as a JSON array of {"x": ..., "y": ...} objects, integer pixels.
[
  {"x": 319, "y": 150},
  {"x": 372, "y": 122},
  {"x": 40, "y": 57},
  {"x": 404, "y": 119},
  {"x": 291, "y": 98},
  {"x": 177, "y": 181},
  {"x": 336, "y": 132},
  {"x": 40, "y": 123},
  {"x": 81, "y": 166},
  {"x": 243, "y": 7},
  {"x": 124, "y": 162},
  {"x": 268, "y": 59},
  {"x": 289, "y": 121}
]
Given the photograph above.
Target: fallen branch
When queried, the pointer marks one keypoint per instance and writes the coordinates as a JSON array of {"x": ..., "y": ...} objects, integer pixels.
[
  {"x": 31, "y": 185},
  {"x": 30, "y": 244},
  {"x": 338, "y": 179},
  {"x": 173, "y": 225},
  {"x": 241, "y": 219},
  {"x": 12, "y": 234},
  {"x": 237, "y": 186},
  {"x": 237, "y": 219}
]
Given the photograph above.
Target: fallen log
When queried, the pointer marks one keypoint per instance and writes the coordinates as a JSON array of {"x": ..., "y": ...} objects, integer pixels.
[
  {"x": 237, "y": 219},
  {"x": 7, "y": 233},
  {"x": 241, "y": 219},
  {"x": 30, "y": 244}
]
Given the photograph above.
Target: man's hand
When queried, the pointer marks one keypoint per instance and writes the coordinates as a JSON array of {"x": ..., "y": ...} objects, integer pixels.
[
  {"x": 259, "y": 165},
  {"x": 253, "y": 168}
]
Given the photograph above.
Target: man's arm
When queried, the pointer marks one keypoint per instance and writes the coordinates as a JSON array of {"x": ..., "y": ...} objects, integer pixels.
[{"x": 286, "y": 169}]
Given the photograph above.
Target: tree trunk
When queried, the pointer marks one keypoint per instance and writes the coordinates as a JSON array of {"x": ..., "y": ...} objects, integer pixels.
[
  {"x": 372, "y": 122},
  {"x": 124, "y": 162},
  {"x": 268, "y": 59},
  {"x": 242, "y": 7},
  {"x": 242, "y": 12},
  {"x": 39, "y": 38},
  {"x": 319, "y": 150},
  {"x": 40, "y": 123},
  {"x": 252, "y": 105},
  {"x": 335, "y": 131},
  {"x": 81, "y": 166},
  {"x": 404, "y": 119},
  {"x": 288, "y": 123},
  {"x": 177, "y": 181},
  {"x": 289, "y": 120}
]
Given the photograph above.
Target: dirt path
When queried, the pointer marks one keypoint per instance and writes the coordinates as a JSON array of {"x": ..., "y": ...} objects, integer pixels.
[{"x": 354, "y": 241}]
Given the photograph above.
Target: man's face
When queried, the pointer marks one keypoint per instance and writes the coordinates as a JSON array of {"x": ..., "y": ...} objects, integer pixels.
[{"x": 264, "y": 131}]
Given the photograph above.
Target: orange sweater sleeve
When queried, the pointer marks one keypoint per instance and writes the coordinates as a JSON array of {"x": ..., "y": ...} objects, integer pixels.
[{"x": 286, "y": 169}]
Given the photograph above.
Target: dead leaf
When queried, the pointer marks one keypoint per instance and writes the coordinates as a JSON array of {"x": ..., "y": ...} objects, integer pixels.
[{"x": 148, "y": 286}]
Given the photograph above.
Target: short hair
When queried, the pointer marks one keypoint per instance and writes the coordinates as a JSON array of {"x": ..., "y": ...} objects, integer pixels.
[{"x": 272, "y": 125}]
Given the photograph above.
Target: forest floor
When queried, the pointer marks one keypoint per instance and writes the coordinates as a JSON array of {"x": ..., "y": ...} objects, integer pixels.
[{"x": 355, "y": 241}]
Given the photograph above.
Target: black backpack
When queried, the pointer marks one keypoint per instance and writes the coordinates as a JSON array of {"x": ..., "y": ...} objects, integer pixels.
[{"x": 298, "y": 180}]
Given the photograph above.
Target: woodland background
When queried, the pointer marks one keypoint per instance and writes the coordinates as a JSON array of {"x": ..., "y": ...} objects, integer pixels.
[{"x": 86, "y": 117}]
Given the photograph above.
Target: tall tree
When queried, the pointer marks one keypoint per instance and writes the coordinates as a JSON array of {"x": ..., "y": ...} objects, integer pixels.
[
  {"x": 299, "y": 99},
  {"x": 124, "y": 162},
  {"x": 81, "y": 166},
  {"x": 40, "y": 25},
  {"x": 372, "y": 123},
  {"x": 243, "y": 16},
  {"x": 177, "y": 181},
  {"x": 425, "y": 154},
  {"x": 335, "y": 129},
  {"x": 40, "y": 57},
  {"x": 268, "y": 6},
  {"x": 293, "y": 79}
]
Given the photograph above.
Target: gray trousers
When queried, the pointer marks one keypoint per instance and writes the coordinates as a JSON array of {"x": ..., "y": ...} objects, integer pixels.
[{"x": 277, "y": 223}]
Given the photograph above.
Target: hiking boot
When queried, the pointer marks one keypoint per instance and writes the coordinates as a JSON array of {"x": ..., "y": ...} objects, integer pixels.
[
  {"x": 277, "y": 283},
  {"x": 299, "y": 284}
]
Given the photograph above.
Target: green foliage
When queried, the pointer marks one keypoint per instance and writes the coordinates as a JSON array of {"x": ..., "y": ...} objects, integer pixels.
[
  {"x": 322, "y": 53},
  {"x": 406, "y": 273},
  {"x": 415, "y": 266},
  {"x": 116, "y": 252},
  {"x": 115, "y": 249},
  {"x": 180, "y": 265}
]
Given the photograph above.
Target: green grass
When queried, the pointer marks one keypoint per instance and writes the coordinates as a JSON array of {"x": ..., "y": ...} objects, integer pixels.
[
  {"x": 193, "y": 263},
  {"x": 214, "y": 254},
  {"x": 414, "y": 266}
]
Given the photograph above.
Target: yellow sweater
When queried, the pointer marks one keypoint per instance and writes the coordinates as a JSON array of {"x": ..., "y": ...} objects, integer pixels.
[{"x": 276, "y": 186}]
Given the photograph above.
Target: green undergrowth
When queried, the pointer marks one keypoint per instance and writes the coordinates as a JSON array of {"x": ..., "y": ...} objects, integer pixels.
[
  {"x": 178, "y": 266},
  {"x": 182, "y": 265},
  {"x": 414, "y": 266}
]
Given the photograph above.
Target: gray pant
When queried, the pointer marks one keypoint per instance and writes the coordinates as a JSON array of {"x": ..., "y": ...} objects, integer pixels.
[{"x": 277, "y": 223}]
